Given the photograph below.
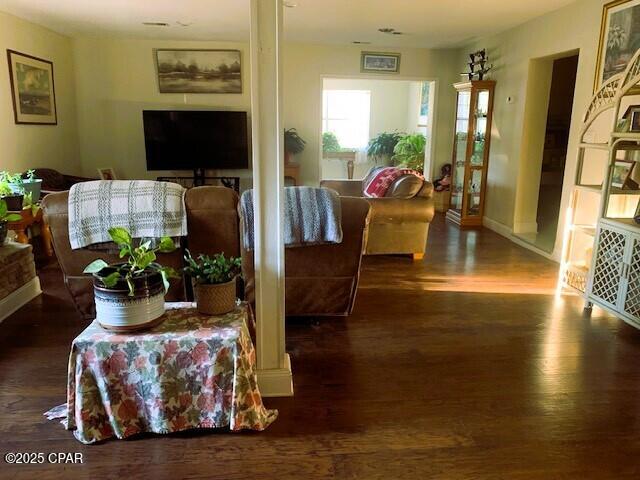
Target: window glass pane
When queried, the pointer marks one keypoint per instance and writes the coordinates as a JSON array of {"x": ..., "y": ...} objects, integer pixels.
[{"x": 346, "y": 114}]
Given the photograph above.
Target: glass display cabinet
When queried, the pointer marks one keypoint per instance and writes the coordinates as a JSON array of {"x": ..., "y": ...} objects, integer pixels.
[{"x": 474, "y": 106}]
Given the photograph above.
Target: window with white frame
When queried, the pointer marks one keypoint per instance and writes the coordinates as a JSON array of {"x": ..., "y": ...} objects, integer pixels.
[{"x": 346, "y": 114}]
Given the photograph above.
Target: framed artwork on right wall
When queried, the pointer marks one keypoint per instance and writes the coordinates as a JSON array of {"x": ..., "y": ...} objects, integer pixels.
[{"x": 619, "y": 38}]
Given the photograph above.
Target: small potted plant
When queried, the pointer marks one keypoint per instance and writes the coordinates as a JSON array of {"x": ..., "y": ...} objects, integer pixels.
[
  {"x": 14, "y": 199},
  {"x": 130, "y": 295},
  {"x": 409, "y": 151},
  {"x": 31, "y": 184},
  {"x": 293, "y": 144},
  {"x": 381, "y": 146},
  {"x": 214, "y": 279},
  {"x": 6, "y": 217},
  {"x": 330, "y": 142}
]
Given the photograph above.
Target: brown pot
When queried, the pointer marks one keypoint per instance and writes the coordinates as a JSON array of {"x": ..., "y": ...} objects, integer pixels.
[{"x": 216, "y": 299}]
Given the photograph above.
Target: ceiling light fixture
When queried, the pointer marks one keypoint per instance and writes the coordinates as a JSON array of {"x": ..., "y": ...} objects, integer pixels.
[
  {"x": 184, "y": 24},
  {"x": 290, "y": 4},
  {"x": 358, "y": 42},
  {"x": 390, "y": 31},
  {"x": 156, "y": 24}
]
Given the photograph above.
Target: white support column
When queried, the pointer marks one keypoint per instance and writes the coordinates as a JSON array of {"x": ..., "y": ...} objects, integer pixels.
[{"x": 274, "y": 367}]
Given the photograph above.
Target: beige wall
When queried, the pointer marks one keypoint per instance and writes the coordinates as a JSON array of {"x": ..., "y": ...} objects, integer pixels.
[
  {"x": 306, "y": 65},
  {"x": 31, "y": 146},
  {"x": 575, "y": 27},
  {"x": 116, "y": 80}
]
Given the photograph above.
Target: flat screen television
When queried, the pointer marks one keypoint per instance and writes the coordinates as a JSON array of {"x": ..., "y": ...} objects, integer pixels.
[{"x": 195, "y": 139}]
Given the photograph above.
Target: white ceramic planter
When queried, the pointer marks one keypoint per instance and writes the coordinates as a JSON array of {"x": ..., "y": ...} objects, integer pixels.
[{"x": 117, "y": 311}]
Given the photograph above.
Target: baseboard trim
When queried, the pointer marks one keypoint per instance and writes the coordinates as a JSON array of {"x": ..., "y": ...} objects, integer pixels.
[
  {"x": 525, "y": 227},
  {"x": 507, "y": 232},
  {"x": 276, "y": 382},
  {"x": 20, "y": 297}
]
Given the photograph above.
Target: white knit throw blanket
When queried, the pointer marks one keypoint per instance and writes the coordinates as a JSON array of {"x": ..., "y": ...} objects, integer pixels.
[
  {"x": 312, "y": 216},
  {"x": 146, "y": 208}
]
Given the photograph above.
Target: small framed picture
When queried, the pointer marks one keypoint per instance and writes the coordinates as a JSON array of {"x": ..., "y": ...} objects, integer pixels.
[
  {"x": 107, "y": 174},
  {"x": 621, "y": 173},
  {"x": 379, "y": 62}
]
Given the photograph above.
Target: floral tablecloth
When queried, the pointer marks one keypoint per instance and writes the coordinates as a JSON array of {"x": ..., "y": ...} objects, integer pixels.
[{"x": 191, "y": 371}]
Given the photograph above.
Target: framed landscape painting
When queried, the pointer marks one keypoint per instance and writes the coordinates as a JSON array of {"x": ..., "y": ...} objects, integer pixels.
[
  {"x": 32, "y": 89},
  {"x": 380, "y": 62},
  {"x": 199, "y": 71},
  {"x": 619, "y": 38}
]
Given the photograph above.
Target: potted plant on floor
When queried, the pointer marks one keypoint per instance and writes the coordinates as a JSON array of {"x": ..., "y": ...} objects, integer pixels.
[
  {"x": 381, "y": 146},
  {"x": 409, "y": 152},
  {"x": 293, "y": 144},
  {"x": 214, "y": 279},
  {"x": 130, "y": 295},
  {"x": 5, "y": 218},
  {"x": 14, "y": 200}
]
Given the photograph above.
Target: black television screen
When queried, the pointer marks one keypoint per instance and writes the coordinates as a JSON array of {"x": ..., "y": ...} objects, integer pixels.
[{"x": 189, "y": 140}]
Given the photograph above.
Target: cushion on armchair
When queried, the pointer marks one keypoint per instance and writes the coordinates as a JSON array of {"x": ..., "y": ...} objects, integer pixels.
[{"x": 392, "y": 182}]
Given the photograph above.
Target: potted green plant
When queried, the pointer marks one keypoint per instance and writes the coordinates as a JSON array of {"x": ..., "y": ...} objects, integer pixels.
[
  {"x": 31, "y": 184},
  {"x": 14, "y": 200},
  {"x": 409, "y": 151},
  {"x": 330, "y": 142},
  {"x": 293, "y": 144},
  {"x": 6, "y": 217},
  {"x": 130, "y": 295},
  {"x": 381, "y": 146},
  {"x": 214, "y": 280}
]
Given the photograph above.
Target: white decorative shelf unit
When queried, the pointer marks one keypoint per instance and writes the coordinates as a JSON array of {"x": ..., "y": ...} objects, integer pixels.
[{"x": 601, "y": 250}]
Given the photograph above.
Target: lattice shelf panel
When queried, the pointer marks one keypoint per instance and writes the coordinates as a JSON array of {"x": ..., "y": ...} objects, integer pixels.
[
  {"x": 607, "y": 271},
  {"x": 632, "y": 300}
]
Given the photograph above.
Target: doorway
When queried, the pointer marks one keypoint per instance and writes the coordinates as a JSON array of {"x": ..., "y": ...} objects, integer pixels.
[
  {"x": 539, "y": 207},
  {"x": 357, "y": 110}
]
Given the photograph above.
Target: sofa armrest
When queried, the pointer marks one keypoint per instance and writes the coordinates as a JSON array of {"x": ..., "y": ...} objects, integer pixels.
[
  {"x": 399, "y": 210},
  {"x": 345, "y": 188}
]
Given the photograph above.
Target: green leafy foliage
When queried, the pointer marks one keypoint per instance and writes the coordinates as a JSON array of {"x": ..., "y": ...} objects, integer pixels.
[
  {"x": 409, "y": 151},
  {"x": 330, "y": 142},
  {"x": 5, "y": 216},
  {"x": 293, "y": 143},
  {"x": 382, "y": 145},
  {"x": 212, "y": 270},
  {"x": 139, "y": 260}
]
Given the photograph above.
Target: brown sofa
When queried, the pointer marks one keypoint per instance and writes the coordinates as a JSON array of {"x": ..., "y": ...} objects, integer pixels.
[
  {"x": 321, "y": 280},
  {"x": 398, "y": 225}
]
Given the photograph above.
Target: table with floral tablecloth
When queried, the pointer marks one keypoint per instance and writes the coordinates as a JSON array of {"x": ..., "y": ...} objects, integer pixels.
[{"x": 190, "y": 371}]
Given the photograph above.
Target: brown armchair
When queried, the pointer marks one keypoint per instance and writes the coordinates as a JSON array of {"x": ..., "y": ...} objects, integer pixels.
[
  {"x": 398, "y": 225},
  {"x": 212, "y": 225},
  {"x": 321, "y": 280}
]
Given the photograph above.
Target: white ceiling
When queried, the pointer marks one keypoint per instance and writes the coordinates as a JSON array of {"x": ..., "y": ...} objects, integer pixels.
[{"x": 426, "y": 23}]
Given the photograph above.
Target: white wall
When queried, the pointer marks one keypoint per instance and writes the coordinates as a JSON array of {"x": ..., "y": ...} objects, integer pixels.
[
  {"x": 575, "y": 27},
  {"x": 32, "y": 146},
  {"x": 389, "y": 112}
]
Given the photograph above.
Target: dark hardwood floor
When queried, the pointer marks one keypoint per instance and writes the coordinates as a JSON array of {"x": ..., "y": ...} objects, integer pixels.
[{"x": 462, "y": 366}]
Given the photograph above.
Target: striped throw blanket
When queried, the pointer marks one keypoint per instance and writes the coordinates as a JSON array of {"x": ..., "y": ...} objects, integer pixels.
[
  {"x": 312, "y": 216},
  {"x": 144, "y": 207}
]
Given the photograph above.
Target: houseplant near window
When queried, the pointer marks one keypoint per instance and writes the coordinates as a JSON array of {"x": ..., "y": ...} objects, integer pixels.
[
  {"x": 130, "y": 295},
  {"x": 214, "y": 279},
  {"x": 330, "y": 142},
  {"x": 6, "y": 217},
  {"x": 409, "y": 152},
  {"x": 293, "y": 144},
  {"x": 381, "y": 146}
]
